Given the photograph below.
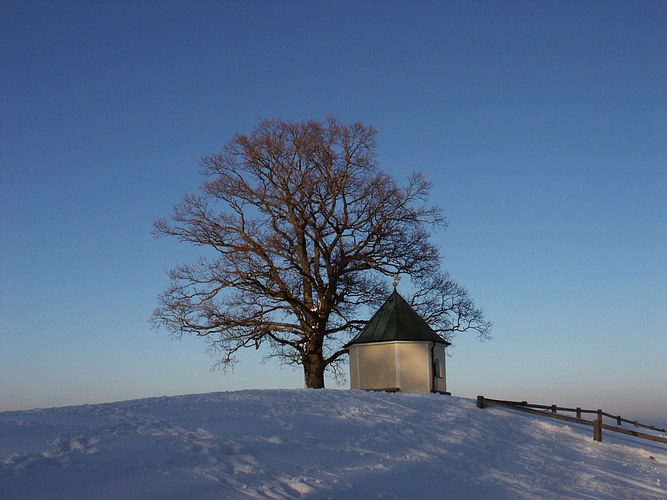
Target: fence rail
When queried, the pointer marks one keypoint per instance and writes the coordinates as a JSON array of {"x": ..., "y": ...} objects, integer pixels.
[{"x": 551, "y": 411}]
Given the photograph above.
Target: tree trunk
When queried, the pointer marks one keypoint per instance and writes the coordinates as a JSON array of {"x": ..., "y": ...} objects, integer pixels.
[
  {"x": 313, "y": 369},
  {"x": 314, "y": 376}
]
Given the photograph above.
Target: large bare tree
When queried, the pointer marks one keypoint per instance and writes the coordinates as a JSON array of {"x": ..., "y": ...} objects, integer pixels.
[{"x": 304, "y": 232}]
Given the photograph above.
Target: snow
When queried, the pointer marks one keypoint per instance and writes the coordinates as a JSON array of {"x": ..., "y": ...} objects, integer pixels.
[{"x": 316, "y": 444}]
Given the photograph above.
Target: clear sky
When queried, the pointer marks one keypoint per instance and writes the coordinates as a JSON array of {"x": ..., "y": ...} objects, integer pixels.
[{"x": 543, "y": 126}]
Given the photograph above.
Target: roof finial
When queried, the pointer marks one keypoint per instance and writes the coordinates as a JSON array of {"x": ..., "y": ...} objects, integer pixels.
[{"x": 397, "y": 278}]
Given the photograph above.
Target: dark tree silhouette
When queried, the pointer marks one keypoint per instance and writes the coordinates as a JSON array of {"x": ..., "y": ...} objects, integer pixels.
[{"x": 304, "y": 230}]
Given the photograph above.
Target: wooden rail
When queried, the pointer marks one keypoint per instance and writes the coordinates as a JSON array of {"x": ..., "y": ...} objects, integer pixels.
[{"x": 551, "y": 411}]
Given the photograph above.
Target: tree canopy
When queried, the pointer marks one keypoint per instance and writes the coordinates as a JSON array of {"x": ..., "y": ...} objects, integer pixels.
[{"x": 304, "y": 231}]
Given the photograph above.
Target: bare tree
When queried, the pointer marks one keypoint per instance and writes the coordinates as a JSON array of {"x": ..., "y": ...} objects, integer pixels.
[{"x": 304, "y": 229}]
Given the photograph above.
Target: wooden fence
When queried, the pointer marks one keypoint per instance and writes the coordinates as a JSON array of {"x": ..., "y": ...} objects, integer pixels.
[{"x": 551, "y": 411}]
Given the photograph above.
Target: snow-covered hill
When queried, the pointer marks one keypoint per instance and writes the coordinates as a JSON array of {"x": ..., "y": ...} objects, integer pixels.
[{"x": 316, "y": 444}]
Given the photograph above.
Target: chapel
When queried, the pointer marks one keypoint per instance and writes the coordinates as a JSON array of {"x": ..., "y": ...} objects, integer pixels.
[{"x": 397, "y": 351}]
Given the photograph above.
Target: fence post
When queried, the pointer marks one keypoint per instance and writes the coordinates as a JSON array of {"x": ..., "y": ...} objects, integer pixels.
[
  {"x": 553, "y": 408},
  {"x": 480, "y": 402},
  {"x": 578, "y": 412},
  {"x": 597, "y": 427},
  {"x": 618, "y": 420}
]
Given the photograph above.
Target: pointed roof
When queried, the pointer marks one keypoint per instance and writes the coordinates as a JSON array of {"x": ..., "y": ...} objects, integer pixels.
[{"x": 394, "y": 321}]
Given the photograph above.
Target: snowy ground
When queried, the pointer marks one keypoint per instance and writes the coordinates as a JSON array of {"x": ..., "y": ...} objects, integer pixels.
[{"x": 316, "y": 444}]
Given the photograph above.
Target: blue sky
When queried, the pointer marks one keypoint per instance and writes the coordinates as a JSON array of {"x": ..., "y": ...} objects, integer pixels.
[{"x": 541, "y": 124}]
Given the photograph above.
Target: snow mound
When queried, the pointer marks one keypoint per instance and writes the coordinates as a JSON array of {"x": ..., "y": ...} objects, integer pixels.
[{"x": 316, "y": 444}]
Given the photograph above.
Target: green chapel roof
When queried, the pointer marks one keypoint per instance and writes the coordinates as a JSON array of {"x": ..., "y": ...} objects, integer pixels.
[{"x": 396, "y": 321}]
